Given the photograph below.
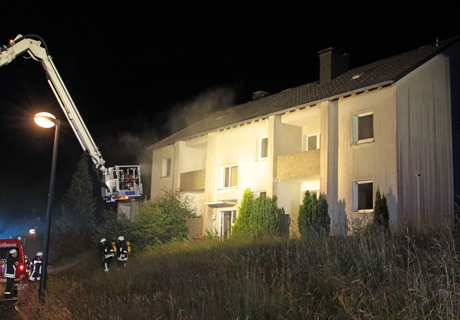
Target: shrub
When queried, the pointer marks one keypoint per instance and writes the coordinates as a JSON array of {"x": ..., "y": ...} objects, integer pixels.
[
  {"x": 162, "y": 219},
  {"x": 266, "y": 217},
  {"x": 242, "y": 224},
  {"x": 381, "y": 214},
  {"x": 313, "y": 215}
]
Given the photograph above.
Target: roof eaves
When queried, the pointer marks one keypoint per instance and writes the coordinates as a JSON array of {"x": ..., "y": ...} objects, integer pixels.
[{"x": 380, "y": 84}]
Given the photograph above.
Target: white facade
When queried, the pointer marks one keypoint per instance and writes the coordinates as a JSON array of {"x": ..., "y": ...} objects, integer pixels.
[{"x": 396, "y": 137}]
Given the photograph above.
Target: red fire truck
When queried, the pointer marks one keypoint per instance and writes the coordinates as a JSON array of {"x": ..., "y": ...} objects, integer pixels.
[{"x": 5, "y": 246}]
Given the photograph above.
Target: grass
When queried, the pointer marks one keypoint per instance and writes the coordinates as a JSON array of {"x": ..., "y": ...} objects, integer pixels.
[{"x": 374, "y": 276}]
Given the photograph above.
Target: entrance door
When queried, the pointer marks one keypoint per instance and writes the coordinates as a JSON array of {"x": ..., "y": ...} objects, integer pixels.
[{"x": 227, "y": 220}]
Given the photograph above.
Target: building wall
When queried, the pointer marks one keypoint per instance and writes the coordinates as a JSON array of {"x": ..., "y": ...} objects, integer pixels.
[
  {"x": 409, "y": 158},
  {"x": 236, "y": 146},
  {"x": 375, "y": 160},
  {"x": 424, "y": 144},
  {"x": 158, "y": 181}
]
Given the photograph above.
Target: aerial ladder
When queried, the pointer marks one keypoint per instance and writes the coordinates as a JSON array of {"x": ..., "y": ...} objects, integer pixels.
[{"x": 121, "y": 182}]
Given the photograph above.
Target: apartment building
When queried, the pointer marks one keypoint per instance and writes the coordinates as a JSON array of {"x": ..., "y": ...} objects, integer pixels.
[{"x": 392, "y": 124}]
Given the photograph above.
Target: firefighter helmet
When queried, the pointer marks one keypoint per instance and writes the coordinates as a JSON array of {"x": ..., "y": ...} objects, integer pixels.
[
  {"x": 103, "y": 240},
  {"x": 13, "y": 251},
  {"x": 121, "y": 238},
  {"x": 39, "y": 253}
]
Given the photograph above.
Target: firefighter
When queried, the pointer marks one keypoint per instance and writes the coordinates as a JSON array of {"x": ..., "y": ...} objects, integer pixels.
[
  {"x": 107, "y": 254},
  {"x": 36, "y": 267},
  {"x": 123, "y": 250},
  {"x": 10, "y": 273}
]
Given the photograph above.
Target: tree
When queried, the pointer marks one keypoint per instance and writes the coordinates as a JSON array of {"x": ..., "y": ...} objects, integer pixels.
[
  {"x": 266, "y": 217},
  {"x": 77, "y": 225},
  {"x": 162, "y": 219},
  {"x": 242, "y": 223},
  {"x": 381, "y": 213},
  {"x": 115, "y": 225},
  {"x": 313, "y": 215}
]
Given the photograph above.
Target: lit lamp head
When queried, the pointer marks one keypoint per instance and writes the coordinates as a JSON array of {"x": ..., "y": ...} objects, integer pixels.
[
  {"x": 45, "y": 119},
  {"x": 32, "y": 231}
]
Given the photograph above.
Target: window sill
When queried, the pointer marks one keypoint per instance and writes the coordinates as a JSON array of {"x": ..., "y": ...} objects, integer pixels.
[
  {"x": 165, "y": 177},
  {"x": 364, "y": 211},
  {"x": 228, "y": 188},
  {"x": 262, "y": 159},
  {"x": 371, "y": 140}
]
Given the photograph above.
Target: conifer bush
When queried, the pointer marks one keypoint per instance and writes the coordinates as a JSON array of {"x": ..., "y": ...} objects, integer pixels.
[
  {"x": 381, "y": 213},
  {"x": 313, "y": 215},
  {"x": 242, "y": 224},
  {"x": 266, "y": 217}
]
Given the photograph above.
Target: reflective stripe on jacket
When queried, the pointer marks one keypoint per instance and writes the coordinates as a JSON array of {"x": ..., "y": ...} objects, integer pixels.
[{"x": 11, "y": 264}]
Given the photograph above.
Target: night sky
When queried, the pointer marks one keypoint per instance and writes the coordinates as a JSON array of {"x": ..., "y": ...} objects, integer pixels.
[{"x": 139, "y": 71}]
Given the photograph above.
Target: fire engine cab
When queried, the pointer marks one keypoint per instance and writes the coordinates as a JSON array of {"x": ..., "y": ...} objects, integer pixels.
[{"x": 5, "y": 246}]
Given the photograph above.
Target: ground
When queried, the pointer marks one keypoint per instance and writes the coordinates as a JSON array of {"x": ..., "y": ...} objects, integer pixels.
[{"x": 7, "y": 307}]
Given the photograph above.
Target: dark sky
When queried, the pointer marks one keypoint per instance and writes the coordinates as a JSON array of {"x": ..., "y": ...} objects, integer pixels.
[{"x": 139, "y": 70}]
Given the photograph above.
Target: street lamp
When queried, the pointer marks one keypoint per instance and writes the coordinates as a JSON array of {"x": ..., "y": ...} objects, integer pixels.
[{"x": 47, "y": 120}]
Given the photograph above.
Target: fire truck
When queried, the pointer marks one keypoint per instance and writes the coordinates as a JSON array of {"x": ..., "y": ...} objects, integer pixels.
[
  {"x": 121, "y": 182},
  {"x": 5, "y": 246}
]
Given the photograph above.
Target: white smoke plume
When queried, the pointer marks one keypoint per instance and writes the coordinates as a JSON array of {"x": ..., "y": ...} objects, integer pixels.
[{"x": 203, "y": 105}]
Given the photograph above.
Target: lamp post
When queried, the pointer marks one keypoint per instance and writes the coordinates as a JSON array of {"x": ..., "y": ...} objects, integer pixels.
[{"x": 47, "y": 120}]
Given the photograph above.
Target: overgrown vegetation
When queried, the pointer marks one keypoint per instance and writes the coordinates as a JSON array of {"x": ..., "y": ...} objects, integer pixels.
[
  {"x": 383, "y": 276},
  {"x": 314, "y": 216},
  {"x": 158, "y": 221}
]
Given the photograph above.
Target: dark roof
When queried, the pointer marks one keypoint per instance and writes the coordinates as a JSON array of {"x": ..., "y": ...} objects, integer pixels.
[{"x": 375, "y": 74}]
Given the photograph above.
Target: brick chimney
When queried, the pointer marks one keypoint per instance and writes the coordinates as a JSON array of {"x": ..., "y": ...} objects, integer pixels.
[{"x": 332, "y": 63}]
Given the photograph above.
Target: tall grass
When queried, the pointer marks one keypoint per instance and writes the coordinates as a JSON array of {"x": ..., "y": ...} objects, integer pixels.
[{"x": 376, "y": 276}]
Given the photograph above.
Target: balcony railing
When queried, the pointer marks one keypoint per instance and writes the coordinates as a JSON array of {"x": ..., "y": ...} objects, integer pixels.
[
  {"x": 298, "y": 165},
  {"x": 192, "y": 180}
]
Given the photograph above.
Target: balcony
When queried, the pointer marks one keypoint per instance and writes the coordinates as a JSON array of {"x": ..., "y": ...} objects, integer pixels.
[
  {"x": 193, "y": 180},
  {"x": 298, "y": 165}
]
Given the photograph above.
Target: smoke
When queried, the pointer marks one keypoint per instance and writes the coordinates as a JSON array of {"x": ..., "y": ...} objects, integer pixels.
[{"x": 203, "y": 105}]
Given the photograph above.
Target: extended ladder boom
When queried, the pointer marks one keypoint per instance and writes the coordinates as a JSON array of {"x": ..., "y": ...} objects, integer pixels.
[{"x": 111, "y": 177}]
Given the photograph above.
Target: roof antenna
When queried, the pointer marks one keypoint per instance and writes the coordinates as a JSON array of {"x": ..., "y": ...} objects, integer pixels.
[{"x": 437, "y": 41}]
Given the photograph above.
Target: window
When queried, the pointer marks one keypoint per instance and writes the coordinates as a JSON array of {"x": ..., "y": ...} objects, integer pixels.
[
  {"x": 230, "y": 177},
  {"x": 263, "y": 148},
  {"x": 363, "y": 127},
  {"x": 311, "y": 141},
  {"x": 259, "y": 193},
  {"x": 166, "y": 167},
  {"x": 362, "y": 196}
]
